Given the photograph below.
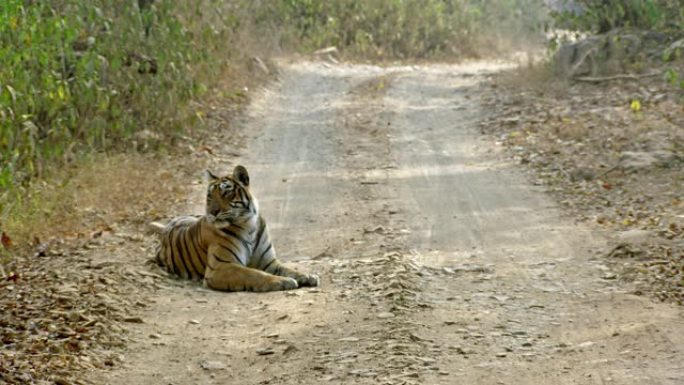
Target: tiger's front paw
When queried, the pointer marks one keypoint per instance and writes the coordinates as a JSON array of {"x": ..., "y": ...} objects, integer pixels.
[
  {"x": 311, "y": 280},
  {"x": 286, "y": 283}
]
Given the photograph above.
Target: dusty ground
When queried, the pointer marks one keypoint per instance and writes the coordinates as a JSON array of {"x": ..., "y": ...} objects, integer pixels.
[{"x": 441, "y": 263}]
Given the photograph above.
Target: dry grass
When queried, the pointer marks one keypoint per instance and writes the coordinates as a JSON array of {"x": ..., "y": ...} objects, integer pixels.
[{"x": 97, "y": 195}]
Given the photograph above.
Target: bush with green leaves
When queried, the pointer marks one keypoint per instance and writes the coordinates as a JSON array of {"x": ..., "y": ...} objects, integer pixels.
[{"x": 86, "y": 76}]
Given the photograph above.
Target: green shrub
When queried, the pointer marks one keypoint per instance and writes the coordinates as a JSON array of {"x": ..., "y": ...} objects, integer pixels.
[{"x": 81, "y": 76}]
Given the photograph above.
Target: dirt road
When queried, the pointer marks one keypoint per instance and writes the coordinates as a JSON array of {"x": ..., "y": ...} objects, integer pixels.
[{"x": 440, "y": 262}]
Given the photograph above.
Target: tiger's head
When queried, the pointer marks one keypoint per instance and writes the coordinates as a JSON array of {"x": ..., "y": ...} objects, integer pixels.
[{"x": 228, "y": 198}]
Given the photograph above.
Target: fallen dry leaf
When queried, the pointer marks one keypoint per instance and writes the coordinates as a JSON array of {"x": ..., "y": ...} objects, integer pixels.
[{"x": 6, "y": 240}]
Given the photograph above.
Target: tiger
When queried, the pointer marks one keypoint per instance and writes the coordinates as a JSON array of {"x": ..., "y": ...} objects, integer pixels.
[{"x": 228, "y": 247}]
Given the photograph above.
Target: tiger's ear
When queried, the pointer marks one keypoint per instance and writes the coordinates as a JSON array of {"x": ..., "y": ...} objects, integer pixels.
[
  {"x": 240, "y": 174},
  {"x": 209, "y": 176}
]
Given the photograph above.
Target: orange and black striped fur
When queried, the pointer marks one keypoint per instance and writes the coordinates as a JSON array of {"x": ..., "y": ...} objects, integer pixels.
[{"x": 229, "y": 247}]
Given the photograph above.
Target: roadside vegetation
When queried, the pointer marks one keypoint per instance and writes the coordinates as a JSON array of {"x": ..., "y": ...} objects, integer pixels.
[{"x": 413, "y": 29}]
